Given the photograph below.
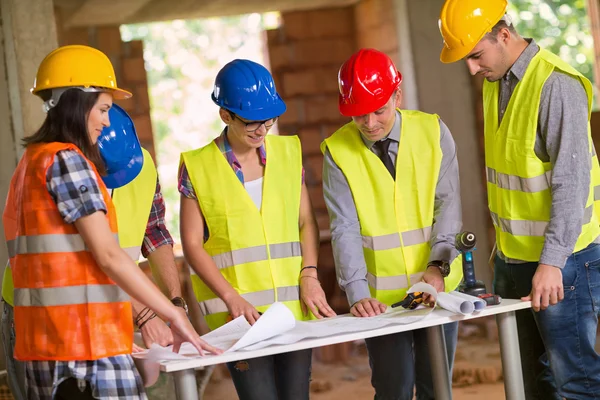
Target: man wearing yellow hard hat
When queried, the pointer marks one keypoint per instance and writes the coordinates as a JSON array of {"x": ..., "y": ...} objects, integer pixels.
[{"x": 542, "y": 172}]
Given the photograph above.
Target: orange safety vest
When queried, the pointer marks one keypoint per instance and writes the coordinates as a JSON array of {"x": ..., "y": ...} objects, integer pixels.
[{"x": 66, "y": 307}]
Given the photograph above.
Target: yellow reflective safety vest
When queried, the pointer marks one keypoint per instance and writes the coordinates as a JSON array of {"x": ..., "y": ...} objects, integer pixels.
[
  {"x": 257, "y": 251},
  {"x": 518, "y": 182},
  {"x": 396, "y": 217},
  {"x": 133, "y": 203}
]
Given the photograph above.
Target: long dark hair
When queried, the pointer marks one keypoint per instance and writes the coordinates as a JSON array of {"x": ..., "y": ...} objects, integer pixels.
[{"x": 67, "y": 123}]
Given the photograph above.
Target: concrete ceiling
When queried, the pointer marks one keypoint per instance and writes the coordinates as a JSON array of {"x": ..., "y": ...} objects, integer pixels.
[{"x": 76, "y": 13}]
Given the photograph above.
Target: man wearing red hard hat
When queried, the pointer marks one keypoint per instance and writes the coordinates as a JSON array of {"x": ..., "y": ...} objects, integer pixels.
[{"x": 391, "y": 186}]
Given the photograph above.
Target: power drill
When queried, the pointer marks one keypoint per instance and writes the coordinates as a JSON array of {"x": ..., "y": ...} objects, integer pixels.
[{"x": 465, "y": 244}]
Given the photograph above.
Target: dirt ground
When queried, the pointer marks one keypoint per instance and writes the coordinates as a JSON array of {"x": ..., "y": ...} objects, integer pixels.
[{"x": 477, "y": 374}]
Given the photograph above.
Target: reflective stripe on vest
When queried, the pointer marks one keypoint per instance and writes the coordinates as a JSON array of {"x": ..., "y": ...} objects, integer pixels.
[
  {"x": 52, "y": 243},
  {"x": 69, "y": 295},
  {"x": 257, "y": 253},
  {"x": 513, "y": 182},
  {"x": 391, "y": 241},
  {"x": 257, "y": 299},
  {"x": 531, "y": 228}
]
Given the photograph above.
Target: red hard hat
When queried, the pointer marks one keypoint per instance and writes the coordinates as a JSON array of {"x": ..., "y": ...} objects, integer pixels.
[{"x": 366, "y": 81}]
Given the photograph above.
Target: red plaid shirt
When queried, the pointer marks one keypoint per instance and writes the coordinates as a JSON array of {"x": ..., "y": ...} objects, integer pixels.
[{"x": 157, "y": 233}]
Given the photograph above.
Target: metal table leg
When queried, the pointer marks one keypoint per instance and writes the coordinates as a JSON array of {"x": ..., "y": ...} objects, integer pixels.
[
  {"x": 511, "y": 356},
  {"x": 185, "y": 384},
  {"x": 438, "y": 356}
]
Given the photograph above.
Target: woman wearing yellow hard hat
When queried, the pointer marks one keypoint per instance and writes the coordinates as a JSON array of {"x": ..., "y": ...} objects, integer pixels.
[
  {"x": 73, "y": 319},
  {"x": 542, "y": 180}
]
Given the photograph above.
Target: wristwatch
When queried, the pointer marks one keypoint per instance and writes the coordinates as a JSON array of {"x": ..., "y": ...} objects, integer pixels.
[
  {"x": 443, "y": 266},
  {"x": 180, "y": 302}
]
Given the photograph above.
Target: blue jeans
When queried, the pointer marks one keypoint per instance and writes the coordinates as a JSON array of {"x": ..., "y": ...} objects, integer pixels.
[
  {"x": 278, "y": 377},
  {"x": 400, "y": 361},
  {"x": 15, "y": 369},
  {"x": 557, "y": 345}
]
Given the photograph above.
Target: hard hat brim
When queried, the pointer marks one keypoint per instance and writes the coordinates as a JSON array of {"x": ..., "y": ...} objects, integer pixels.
[
  {"x": 355, "y": 110},
  {"x": 263, "y": 114},
  {"x": 448, "y": 56},
  {"x": 117, "y": 93},
  {"x": 121, "y": 94}
]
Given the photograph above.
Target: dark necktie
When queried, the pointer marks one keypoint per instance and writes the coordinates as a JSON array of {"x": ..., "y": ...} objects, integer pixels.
[{"x": 384, "y": 155}]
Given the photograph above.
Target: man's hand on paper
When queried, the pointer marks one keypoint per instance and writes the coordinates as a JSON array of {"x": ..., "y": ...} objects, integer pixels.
[
  {"x": 367, "y": 307},
  {"x": 313, "y": 297},
  {"x": 237, "y": 306},
  {"x": 156, "y": 331},
  {"x": 546, "y": 287},
  {"x": 183, "y": 331},
  {"x": 432, "y": 276}
]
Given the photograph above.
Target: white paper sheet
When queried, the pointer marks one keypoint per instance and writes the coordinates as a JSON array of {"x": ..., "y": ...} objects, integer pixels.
[
  {"x": 477, "y": 302},
  {"x": 278, "y": 326},
  {"x": 227, "y": 335},
  {"x": 275, "y": 321},
  {"x": 455, "y": 304},
  {"x": 348, "y": 323},
  {"x": 232, "y": 336}
]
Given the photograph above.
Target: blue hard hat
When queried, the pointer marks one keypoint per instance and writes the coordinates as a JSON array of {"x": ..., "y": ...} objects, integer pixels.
[
  {"x": 120, "y": 149},
  {"x": 247, "y": 89}
]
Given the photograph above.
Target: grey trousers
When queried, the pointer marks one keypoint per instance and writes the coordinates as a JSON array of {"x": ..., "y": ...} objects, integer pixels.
[{"x": 14, "y": 368}]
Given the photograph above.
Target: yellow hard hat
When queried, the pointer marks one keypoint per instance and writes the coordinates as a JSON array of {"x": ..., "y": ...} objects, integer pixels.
[
  {"x": 463, "y": 23},
  {"x": 77, "y": 66}
]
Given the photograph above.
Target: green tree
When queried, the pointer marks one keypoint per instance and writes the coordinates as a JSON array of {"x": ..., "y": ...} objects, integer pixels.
[{"x": 560, "y": 26}]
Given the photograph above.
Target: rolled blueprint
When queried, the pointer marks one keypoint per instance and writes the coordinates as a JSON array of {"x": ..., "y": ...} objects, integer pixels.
[
  {"x": 477, "y": 302},
  {"x": 455, "y": 304}
]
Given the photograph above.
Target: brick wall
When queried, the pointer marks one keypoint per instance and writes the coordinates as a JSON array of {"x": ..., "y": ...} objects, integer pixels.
[
  {"x": 128, "y": 60},
  {"x": 305, "y": 55},
  {"x": 376, "y": 26}
]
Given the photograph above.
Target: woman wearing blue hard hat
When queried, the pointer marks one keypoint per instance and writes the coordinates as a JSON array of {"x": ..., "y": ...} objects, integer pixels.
[
  {"x": 70, "y": 280},
  {"x": 248, "y": 229}
]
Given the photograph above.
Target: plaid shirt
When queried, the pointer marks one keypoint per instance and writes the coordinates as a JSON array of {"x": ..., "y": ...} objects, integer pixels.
[
  {"x": 110, "y": 378},
  {"x": 185, "y": 184},
  {"x": 73, "y": 186},
  {"x": 157, "y": 233}
]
